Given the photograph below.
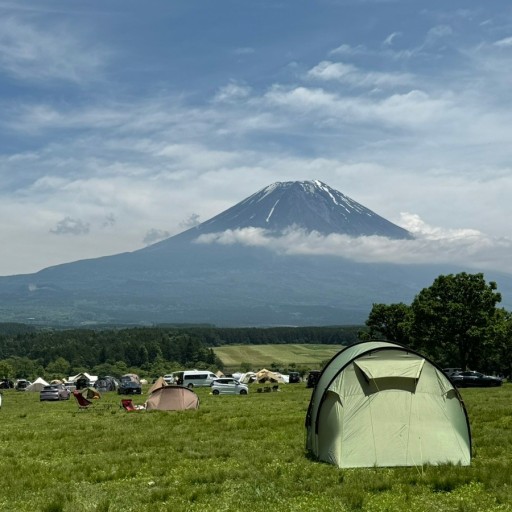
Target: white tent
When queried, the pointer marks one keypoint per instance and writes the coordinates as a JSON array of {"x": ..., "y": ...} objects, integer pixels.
[
  {"x": 382, "y": 404},
  {"x": 37, "y": 385}
]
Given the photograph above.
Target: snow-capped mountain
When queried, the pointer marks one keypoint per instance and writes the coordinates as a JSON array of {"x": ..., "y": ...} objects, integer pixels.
[
  {"x": 180, "y": 281},
  {"x": 308, "y": 205}
]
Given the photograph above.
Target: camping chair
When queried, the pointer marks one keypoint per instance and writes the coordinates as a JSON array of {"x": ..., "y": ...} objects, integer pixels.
[
  {"x": 127, "y": 404},
  {"x": 83, "y": 403}
]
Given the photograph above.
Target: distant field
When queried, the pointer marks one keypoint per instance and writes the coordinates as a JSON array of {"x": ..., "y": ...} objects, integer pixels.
[{"x": 264, "y": 355}]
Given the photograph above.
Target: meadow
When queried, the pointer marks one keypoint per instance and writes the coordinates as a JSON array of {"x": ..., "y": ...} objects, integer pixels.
[
  {"x": 233, "y": 453},
  {"x": 306, "y": 356}
]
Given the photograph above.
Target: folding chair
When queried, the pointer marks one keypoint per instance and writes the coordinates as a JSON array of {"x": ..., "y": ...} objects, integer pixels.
[
  {"x": 127, "y": 404},
  {"x": 83, "y": 403}
]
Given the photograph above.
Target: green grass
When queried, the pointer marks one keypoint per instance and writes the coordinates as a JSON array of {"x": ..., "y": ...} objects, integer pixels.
[
  {"x": 264, "y": 355},
  {"x": 233, "y": 453}
]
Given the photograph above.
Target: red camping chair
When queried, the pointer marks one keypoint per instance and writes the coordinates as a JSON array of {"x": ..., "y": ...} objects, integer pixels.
[
  {"x": 83, "y": 403},
  {"x": 127, "y": 404}
]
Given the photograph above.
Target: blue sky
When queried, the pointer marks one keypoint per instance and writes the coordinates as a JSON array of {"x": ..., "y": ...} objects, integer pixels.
[{"x": 124, "y": 122}]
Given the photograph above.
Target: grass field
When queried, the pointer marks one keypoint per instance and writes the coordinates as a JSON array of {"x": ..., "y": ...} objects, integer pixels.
[
  {"x": 260, "y": 356},
  {"x": 235, "y": 453}
]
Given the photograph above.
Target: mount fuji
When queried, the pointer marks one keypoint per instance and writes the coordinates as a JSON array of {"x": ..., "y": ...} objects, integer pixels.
[{"x": 195, "y": 277}]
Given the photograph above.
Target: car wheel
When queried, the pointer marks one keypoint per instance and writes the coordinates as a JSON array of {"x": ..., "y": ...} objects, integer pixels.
[
  {"x": 243, "y": 392},
  {"x": 190, "y": 386},
  {"x": 215, "y": 392}
]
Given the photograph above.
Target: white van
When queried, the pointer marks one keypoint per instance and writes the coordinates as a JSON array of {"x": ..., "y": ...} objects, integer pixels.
[{"x": 194, "y": 378}]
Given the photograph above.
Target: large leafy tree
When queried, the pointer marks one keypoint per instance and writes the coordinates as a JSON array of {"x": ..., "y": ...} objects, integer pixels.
[
  {"x": 391, "y": 322},
  {"x": 452, "y": 319}
]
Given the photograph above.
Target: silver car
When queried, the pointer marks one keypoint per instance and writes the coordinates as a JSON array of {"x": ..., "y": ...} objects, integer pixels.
[
  {"x": 228, "y": 386},
  {"x": 54, "y": 392}
]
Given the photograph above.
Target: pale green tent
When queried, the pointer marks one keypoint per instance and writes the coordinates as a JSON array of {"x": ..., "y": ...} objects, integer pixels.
[{"x": 382, "y": 404}]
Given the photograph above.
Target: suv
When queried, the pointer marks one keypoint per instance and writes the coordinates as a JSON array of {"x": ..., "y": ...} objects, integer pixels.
[
  {"x": 228, "y": 386},
  {"x": 129, "y": 385}
]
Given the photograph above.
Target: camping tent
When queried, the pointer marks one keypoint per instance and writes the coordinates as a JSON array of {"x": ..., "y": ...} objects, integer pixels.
[
  {"x": 37, "y": 385},
  {"x": 268, "y": 376},
  {"x": 159, "y": 383},
  {"x": 382, "y": 404},
  {"x": 172, "y": 398},
  {"x": 106, "y": 383}
]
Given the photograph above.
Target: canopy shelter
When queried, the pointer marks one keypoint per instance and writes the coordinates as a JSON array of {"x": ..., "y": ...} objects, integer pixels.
[
  {"x": 382, "y": 404},
  {"x": 265, "y": 375},
  {"x": 37, "y": 385}
]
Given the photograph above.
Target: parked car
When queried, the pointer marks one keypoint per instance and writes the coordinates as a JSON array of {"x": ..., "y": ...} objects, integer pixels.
[
  {"x": 312, "y": 379},
  {"x": 129, "y": 384},
  {"x": 22, "y": 384},
  {"x": 70, "y": 386},
  {"x": 472, "y": 379},
  {"x": 194, "y": 378},
  {"x": 54, "y": 392},
  {"x": 293, "y": 377},
  {"x": 228, "y": 386},
  {"x": 169, "y": 378},
  {"x": 451, "y": 371}
]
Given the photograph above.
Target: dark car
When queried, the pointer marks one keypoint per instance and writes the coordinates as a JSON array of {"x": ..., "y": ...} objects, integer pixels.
[
  {"x": 54, "y": 392},
  {"x": 293, "y": 377},
  {"x": 313, "y": 377},
  {"x": 129, "y": 384},
  {"x": 471, "y": 379}
]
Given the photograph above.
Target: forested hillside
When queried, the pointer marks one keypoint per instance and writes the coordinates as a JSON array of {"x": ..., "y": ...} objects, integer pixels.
[{"x": 152, "y": 351}]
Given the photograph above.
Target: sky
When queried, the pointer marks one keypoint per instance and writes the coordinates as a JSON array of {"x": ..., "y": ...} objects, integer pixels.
[{"x": 125, "y": 122}]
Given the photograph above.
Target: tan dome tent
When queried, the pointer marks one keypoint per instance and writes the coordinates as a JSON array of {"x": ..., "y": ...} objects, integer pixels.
[
  {"x": 381, "y": 404},
  {"x": 172, "y": 398},
  {"x": 159, "y": 383}
]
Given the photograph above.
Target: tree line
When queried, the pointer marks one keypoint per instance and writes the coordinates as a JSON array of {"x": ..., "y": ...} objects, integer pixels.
[{"x": 27, "y": 352}]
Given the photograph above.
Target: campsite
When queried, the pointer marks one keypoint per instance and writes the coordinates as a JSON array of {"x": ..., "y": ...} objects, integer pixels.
[{"x": 231, "y": 453}]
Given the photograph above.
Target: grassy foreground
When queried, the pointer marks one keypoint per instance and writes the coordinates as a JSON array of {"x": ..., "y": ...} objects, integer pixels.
[{"x": 234, "y": 453}]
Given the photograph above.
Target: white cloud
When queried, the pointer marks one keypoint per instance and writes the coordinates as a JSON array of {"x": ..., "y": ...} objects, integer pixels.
[
  {"x": 504, "y": 43},
  {"x": 155, "y": 235},
  {"x": 69, "y": 226},
  {"x": 350, "y": 74},
  {"x": 28, "y": 52},
  {"x": 389, "y": 40},
  {"x": 432, "y": 245}
]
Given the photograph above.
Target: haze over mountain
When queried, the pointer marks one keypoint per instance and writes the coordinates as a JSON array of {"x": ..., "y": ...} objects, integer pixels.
[{"x": 194, "y": 277}]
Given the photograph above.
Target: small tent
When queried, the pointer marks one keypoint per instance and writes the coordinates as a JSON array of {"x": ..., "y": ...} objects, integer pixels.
[
  {"x": 172, "y": 398},
  {"x": 159, "y": 383},
  {"x": 265, "y": 375},
  {"x": 106, "y": 383},
  {"x": 382, "y": 404},
  {"x": 37, "y": 385}
]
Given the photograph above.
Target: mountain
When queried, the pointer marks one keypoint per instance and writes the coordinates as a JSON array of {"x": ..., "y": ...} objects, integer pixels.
[
  {"x": 179, "y": 280},
  {"x": 309, "y": 205}
]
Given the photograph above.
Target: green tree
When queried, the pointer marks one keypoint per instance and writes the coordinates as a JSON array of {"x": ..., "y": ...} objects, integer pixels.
[
  {"x": 6, "y": 370},
  {"x": 58, "y": 369},
  {"x": 453, "y": 317},
  {"x": 389, "y": 322}
]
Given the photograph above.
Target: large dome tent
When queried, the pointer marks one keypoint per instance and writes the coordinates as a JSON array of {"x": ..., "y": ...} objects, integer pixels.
[{"x": 382, "y": 404}]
